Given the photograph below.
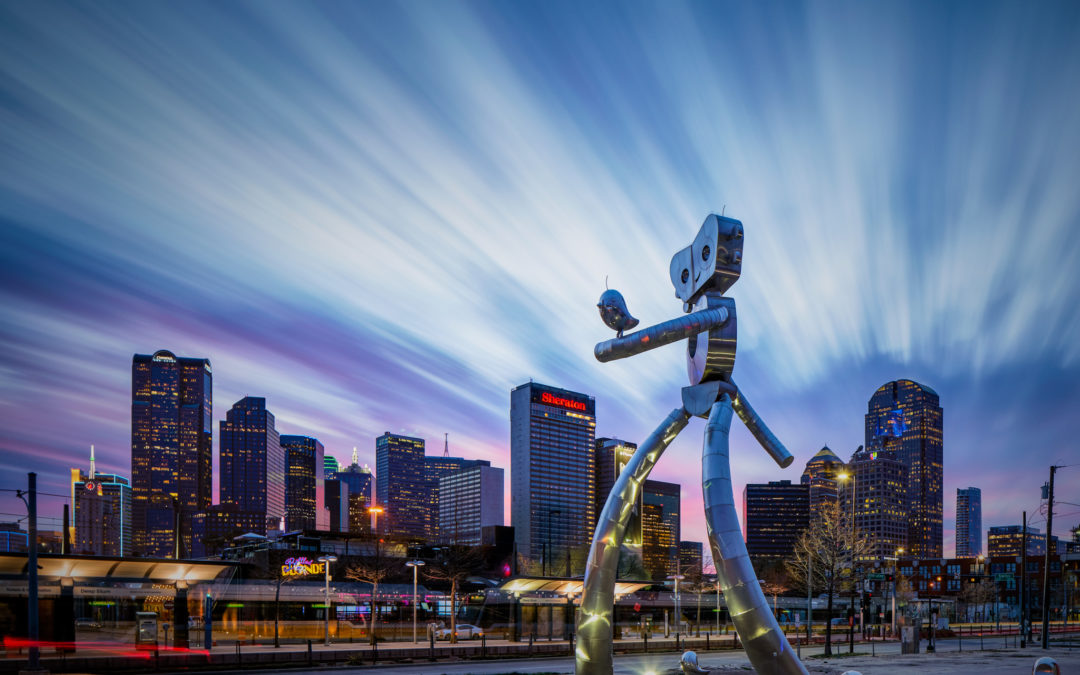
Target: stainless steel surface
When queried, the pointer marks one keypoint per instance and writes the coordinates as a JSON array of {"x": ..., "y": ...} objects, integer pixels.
[
  {"x": 689, "y": 664},
  {"x": 764, "y": 436},
  {"x": 713, "y": 262},
  {"x": 613, "y": 312},
  {"x": 764, "y": 642},
  {"x": 710, "y": 355},
  {"x": 659, "y": 335},
  {"x": 593, "y": 654},
  {"x": 698, "y": 399}
]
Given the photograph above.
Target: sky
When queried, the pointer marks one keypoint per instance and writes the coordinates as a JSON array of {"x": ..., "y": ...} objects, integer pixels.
[{"x": 384, "y": 216}]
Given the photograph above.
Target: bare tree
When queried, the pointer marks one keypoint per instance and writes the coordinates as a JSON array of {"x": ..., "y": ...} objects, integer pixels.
[
  {"x": 457, "y": 563},
  {"x": 828, "y": 547},
  {"x": 776, "y": 581},
  {"x": 372, "y": 570}
]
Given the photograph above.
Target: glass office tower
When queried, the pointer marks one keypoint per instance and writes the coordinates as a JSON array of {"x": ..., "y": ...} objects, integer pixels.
[
  {"x": 968, "y": 522},
  {"x": 102, "y": 514},
  {"x": 906, "y": 418},
  {"x": 171, "y": 450},
  {"x": 252, "y": 464},
  {"x": 661, "y": 527},
  {"x": 402, "y": 487},
  {"x": 552, "y": 475},
  {"x": 304, "y": 488},
  {"x": 775, "y": 514}
]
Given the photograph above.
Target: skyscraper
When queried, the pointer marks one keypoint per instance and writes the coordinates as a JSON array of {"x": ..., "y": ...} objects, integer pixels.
[
  {"x": 171, "y": 449},
  {"x": 612, "y": 454},
  {"x": 968, "y": 522},
  {"x": 402, "y": 487},
  {"x": 877, "y": 478},
  {"x": 470, "y": 499},
  {"x": 337, "y": 503},
  {"x": 774, "y": 515},
  {"x": 102, "y": 513},
  {"x": 359, "y": 480},
  {"x": 691, "y": 557},
  {"x": 907, "y": 415},
  {"x": 252, "y": 464},
  {"x": 1008, "y": 540},
  {"x": 305, "y": 500},
  {"x": 436, "y": 468},
  {"x": 820, "y": 477},
  {"x": 330, "y": 466},
  {"x": 661, "y": 527},
  {"x": 552, "y": 472}
]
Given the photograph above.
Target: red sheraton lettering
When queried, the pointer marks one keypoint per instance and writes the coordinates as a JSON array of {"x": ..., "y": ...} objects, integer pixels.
[{"x": 551, "y": 399}]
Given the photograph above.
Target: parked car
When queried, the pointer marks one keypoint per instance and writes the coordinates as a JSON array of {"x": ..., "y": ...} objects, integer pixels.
[
  {"x": 465, "y": 631},
  {"x": 87, "y": 624}
]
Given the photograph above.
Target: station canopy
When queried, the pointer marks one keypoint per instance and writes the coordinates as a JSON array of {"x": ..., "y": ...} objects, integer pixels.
[
  {"x": 96, "y": 567},
  {"x": 565, "y": 586}
]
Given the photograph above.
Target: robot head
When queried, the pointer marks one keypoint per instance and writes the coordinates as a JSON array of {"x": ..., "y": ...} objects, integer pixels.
[{"x": 712, "y": 263}]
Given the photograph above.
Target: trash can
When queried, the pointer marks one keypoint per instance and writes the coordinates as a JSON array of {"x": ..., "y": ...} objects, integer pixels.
[
  {"x": 146, "y": 627},
  {"x": 909, "y": 639}
]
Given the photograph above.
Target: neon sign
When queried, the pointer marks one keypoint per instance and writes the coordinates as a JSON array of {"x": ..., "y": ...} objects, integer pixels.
[
  {"x": 551, "y": 399},
  {"x": 300, "y": 567}
]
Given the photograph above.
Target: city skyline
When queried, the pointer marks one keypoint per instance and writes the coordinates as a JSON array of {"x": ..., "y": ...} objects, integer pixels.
[{"x": 385, "y": 220}]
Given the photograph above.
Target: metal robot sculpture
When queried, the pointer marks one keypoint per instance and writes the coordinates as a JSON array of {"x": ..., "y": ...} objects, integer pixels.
[{"x": 701, "y": 274}]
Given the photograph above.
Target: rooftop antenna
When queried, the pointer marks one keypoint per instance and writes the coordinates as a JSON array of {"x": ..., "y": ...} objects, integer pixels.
[
  {"x": 723, "y": 210},
  {"x": 92, "y": 470},
  {"x": 355, "y": 459},
  {"x": 446, "y": 445}
]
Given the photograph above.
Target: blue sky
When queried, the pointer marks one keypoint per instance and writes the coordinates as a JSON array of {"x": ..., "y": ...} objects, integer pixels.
[{"x": 384, "y": 216}]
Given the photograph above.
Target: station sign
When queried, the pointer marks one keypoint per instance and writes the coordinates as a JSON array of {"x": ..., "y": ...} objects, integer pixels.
[{"x": 302, "y": 567}]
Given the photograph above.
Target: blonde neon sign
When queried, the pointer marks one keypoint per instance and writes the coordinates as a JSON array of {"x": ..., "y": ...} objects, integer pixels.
[{"x": 300, "y": 567}]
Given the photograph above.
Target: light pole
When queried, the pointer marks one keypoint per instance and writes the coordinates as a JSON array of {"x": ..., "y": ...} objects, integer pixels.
[
  {"x": 851, "y": 607},
  {"x": 718, "y": 605},
  {"x": 899, "y": 552},
  {"x": 415, "y": 565},
  {"x": 678, "y": 609},
  {"x": 326, "y": 560}
]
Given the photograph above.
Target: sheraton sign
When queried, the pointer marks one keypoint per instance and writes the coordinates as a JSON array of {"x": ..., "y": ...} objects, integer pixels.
[
  {"x": 302, "y": 567},
  {"x": 551, "y": 399}
]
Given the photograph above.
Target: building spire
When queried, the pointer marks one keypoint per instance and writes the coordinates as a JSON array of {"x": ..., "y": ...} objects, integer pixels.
[
  {"x": 355, "y": 459},
  {"x": 92, "y": 471},
  {"x": 446, "y": 445}
]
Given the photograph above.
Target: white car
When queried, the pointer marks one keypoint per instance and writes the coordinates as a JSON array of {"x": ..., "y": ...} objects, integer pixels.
[{"x": 465, "y": 631}]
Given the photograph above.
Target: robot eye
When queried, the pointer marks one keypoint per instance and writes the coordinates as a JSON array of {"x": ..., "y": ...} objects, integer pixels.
[
  {"x": 685, "y": 275},
  {"x": 705, "y": 253}
]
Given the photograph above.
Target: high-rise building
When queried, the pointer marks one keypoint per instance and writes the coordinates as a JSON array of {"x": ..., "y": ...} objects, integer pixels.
[
  {"x": 359, "y": 480},
  {"x": 1008, "y": 540},
  {"x": 661, "y": 527},
  {"x": 171, "y": 450},
  {"x": 470, "y": 499},
  {"x": 305, "y": 496},
  {"x": 877, "y": 478},
  {"x": 691, "y": 558},
  {"x": 337, "y": 503},
  {"x": 907, "y": 415},
  {"x": 820, "y": 477},
  {"x": 612, "y": 454},
  {"x": 252, "y": 464},
  {"x": 436, "y": 468},
  {"x": 775, "y": 514},
  {"x": 968, "y": 522},
  {"x": 330, "y": 466},
  {"x": 13, "y": 539},
  {"x": 402, "y": 487},
  {"x": 552, "y": 473},
  {"x": 101, "y": 513}
]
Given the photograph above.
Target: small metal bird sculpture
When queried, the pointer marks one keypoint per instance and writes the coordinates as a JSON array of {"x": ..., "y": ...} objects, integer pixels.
[{"x": 614, "y": 313}]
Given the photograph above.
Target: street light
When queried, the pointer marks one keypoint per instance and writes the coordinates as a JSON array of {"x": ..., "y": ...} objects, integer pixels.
[
  {"x": 843, "y": 476},
  {"x": 415, "y": 565},
  {"x": 326, "y": 560},
  {"x": 375, "y": 511},
  {"x": 678, "y": 609}
]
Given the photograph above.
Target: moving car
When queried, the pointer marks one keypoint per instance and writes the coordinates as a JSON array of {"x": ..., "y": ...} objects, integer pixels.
[
  {"x": 87, "y": 624},
  {"x": 465, "y": 631}
]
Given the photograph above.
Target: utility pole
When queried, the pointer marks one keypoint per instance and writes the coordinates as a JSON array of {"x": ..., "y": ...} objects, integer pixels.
[
  {"x": 1023, "y": 583},
  {"x": 1046, "y": 563},
  {"x": 30, "y": 498}
]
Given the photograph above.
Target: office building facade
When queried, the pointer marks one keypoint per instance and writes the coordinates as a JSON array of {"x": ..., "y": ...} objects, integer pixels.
[
  {"x": 436, "y": 468},
  {"x": 470, "y": 499},
  {"x": 101, "y": 513},
  {"x": 691, "y": 558},
  {"x": 1008, "y": 540},
  {"x": 819, "y": 476},
  {"x": 552, "y": 473},
  {"x": 905, "y": 417},
  {"x": 877, "y": 478},
  {"x": 968, "y": 522},
  {"x": 402, "y": 488},
  {"x": 661, "y": 527},
  {"x": 330, "y": 466},
  {"x": 612, "y": 454},
  {"x": 360, "y": 482},
  {"x": 337, "y": 504},
  {"x": 775, "y": 514},
  {"x": 305, "y": 489},
  {"x": 171, "y": 450},
  {"x": 252, "y": 464}
]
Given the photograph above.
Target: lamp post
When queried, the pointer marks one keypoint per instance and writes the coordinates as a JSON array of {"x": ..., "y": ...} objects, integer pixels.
[
  {"x": 899, "y": 552},
  {"x": 415, "y": 565},
  {"x": 326, "y": 560},
  {"x": 717, "y": 605},
  {"x": 678, "y": 609},
  {"x": 851, "y": 621}
]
